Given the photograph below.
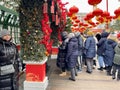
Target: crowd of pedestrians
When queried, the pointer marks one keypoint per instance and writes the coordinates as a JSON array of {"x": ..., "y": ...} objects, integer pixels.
[{"x": 77, "y": 50}]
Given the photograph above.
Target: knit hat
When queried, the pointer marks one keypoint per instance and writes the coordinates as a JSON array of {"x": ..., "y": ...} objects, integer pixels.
[
  {"x": 64, "y": 35},
  {"x": 90, "y": 33},
  {"x": 4, "y": 32}
]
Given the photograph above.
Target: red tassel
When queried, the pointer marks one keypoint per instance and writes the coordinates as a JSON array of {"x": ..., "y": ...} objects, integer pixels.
[
  {"x": 45, "y": 7},
  {"x": 52, "y": 7},
  {"x": 53, "y": 17}
]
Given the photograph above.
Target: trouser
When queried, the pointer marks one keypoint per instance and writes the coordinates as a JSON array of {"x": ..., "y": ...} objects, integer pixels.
[
  {"x": 89, "y": 62},
  {"x": 79, "y": 63},
  {"x": 100, "y": 61},
  {"x": 73, "y": 72},
  {"x": 109, "y": 70},
  {"x": 114, "y": 70}
]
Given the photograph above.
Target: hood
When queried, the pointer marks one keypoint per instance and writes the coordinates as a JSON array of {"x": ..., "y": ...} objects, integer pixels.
[
  {"x": 105, "y": 34},
  {"x": 64, "y": 35}
]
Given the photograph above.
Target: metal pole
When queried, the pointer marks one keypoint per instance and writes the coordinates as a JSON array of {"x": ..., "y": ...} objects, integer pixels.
[{"x": 107, "y": 11}]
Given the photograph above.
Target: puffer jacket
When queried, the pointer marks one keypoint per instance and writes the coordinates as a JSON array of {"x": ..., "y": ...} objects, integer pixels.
[
  {"x": 72, "y": 53},
  {"x": 90, "y": 47},
  {"x": 117, "y": 55},
  {"x": 8, "y": 55},
  {"x": 109, "y": 52}
]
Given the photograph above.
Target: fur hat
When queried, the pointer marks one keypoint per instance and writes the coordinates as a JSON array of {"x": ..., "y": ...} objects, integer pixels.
[
  {"x": 4, "y": 32},
  {"x": 77, "y": 34},
  {"x": 71, "y": 35},
  {"x": 90, "y": 33}
]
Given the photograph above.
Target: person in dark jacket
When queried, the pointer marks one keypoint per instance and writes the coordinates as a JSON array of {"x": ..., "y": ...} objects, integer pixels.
[
  {"x": 80, "y": 50},
  {"x": 90, "y": 51},
  {"x": 109, "y": 52},
  {"x": 62, "y": 50},
  {"x": 72, "y": 54},
  {"x": 98, "y": 36},
  {"x": 101, "y": 49},
  {"x": 116, "y": 61},
  {"x": 9, "y": 55}
]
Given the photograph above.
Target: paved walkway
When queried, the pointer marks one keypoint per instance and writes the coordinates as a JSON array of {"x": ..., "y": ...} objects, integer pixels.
[{"x": 98, "y": 80}]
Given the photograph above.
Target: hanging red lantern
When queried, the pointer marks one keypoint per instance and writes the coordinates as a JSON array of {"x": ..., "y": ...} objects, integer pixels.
[
  {"x": 75, "y": 25},
  {"x": 90, "y": 15},
  {"x": 69, "y": 14},
  {"x": 74, "y": 17},
  {"x": 97, "y": 12},
  {"x": 77, "y": 20},
  {"x": 117, "y": 12},
  {"x": 94, "y": 2},
  {"x": 105, "y": 14},
  {"x": 115, "y": 17},
  {"x": 73, "y": 9}
]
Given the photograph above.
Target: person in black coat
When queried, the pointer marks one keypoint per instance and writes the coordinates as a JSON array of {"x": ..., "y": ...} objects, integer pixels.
[
  {"x": 101, "y": 49},
  {"x": 109, "y": 52},
  {"x": 72, "y": 55},
  {"x": 62, "y": 50},
  {"x": 9, "y": 55}
]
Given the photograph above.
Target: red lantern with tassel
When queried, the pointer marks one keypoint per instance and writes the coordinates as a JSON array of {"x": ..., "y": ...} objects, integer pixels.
[
  {"x": 97, "y": 12},
  {"x": 94, "y": 2},
  {"x": 73, "y": 9}
]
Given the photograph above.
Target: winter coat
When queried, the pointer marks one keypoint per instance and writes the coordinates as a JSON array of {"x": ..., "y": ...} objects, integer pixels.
[
  {"x": 90, "y": 47},
  {"x": 62, "y": 51},
  {"x": 72, "y": 53},
  {"x": 117, "y": 55},
  {"x": 109, "y": 51},
  {"x": 80, "y": 45},
  {"x": 9, "y": 54},
  {"x": 100, "y": 46}
]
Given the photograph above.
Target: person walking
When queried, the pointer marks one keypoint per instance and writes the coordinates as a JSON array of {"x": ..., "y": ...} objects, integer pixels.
[
  {"x": 101, "y": 49},
  {"x": 116, "y": 61},
  {"x": 10, "y": 63},
  {"x": 62, "y": 51},
  {"x": 109, "y": 53},
  {"x": 80, "y": 51},
  {"x": 90, "y": 51},
  {"x": 72, "y": 55}
]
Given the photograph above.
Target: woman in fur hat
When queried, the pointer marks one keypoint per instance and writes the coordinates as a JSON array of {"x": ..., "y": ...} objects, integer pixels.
[
  {"x": 90, "y": 51},
  {"x": 9, "y": 57}
]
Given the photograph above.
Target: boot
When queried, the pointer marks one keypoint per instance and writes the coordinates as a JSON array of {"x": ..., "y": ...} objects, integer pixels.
[
  {"x": 101, "y": 68},
  {"x": 113, "y": 76},
  {"x": 63, "y": 74}
]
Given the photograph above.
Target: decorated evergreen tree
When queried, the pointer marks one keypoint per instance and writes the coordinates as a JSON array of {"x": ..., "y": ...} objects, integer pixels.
[{"x": 30, "y": 14}]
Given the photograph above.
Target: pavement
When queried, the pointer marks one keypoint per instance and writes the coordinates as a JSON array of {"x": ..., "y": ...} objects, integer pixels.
[{"x": 98, "y": 80}]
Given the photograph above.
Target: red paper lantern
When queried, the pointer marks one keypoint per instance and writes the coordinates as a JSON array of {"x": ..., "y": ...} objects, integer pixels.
[
  {"x": 90, "y": 15},
  {"x": 74, "y": 17},
  {"x": 75, "y": 25},
  {"x": 105, "y": 14},
  {"x": 73, "y": 9},
  {"x": 117, "y": 12},
  {"x": 97, "y": 12},
  {"x": 69, "y": 14},
  {"x": 94, "y": 2},
  {"x": 77, "y": 20}
]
